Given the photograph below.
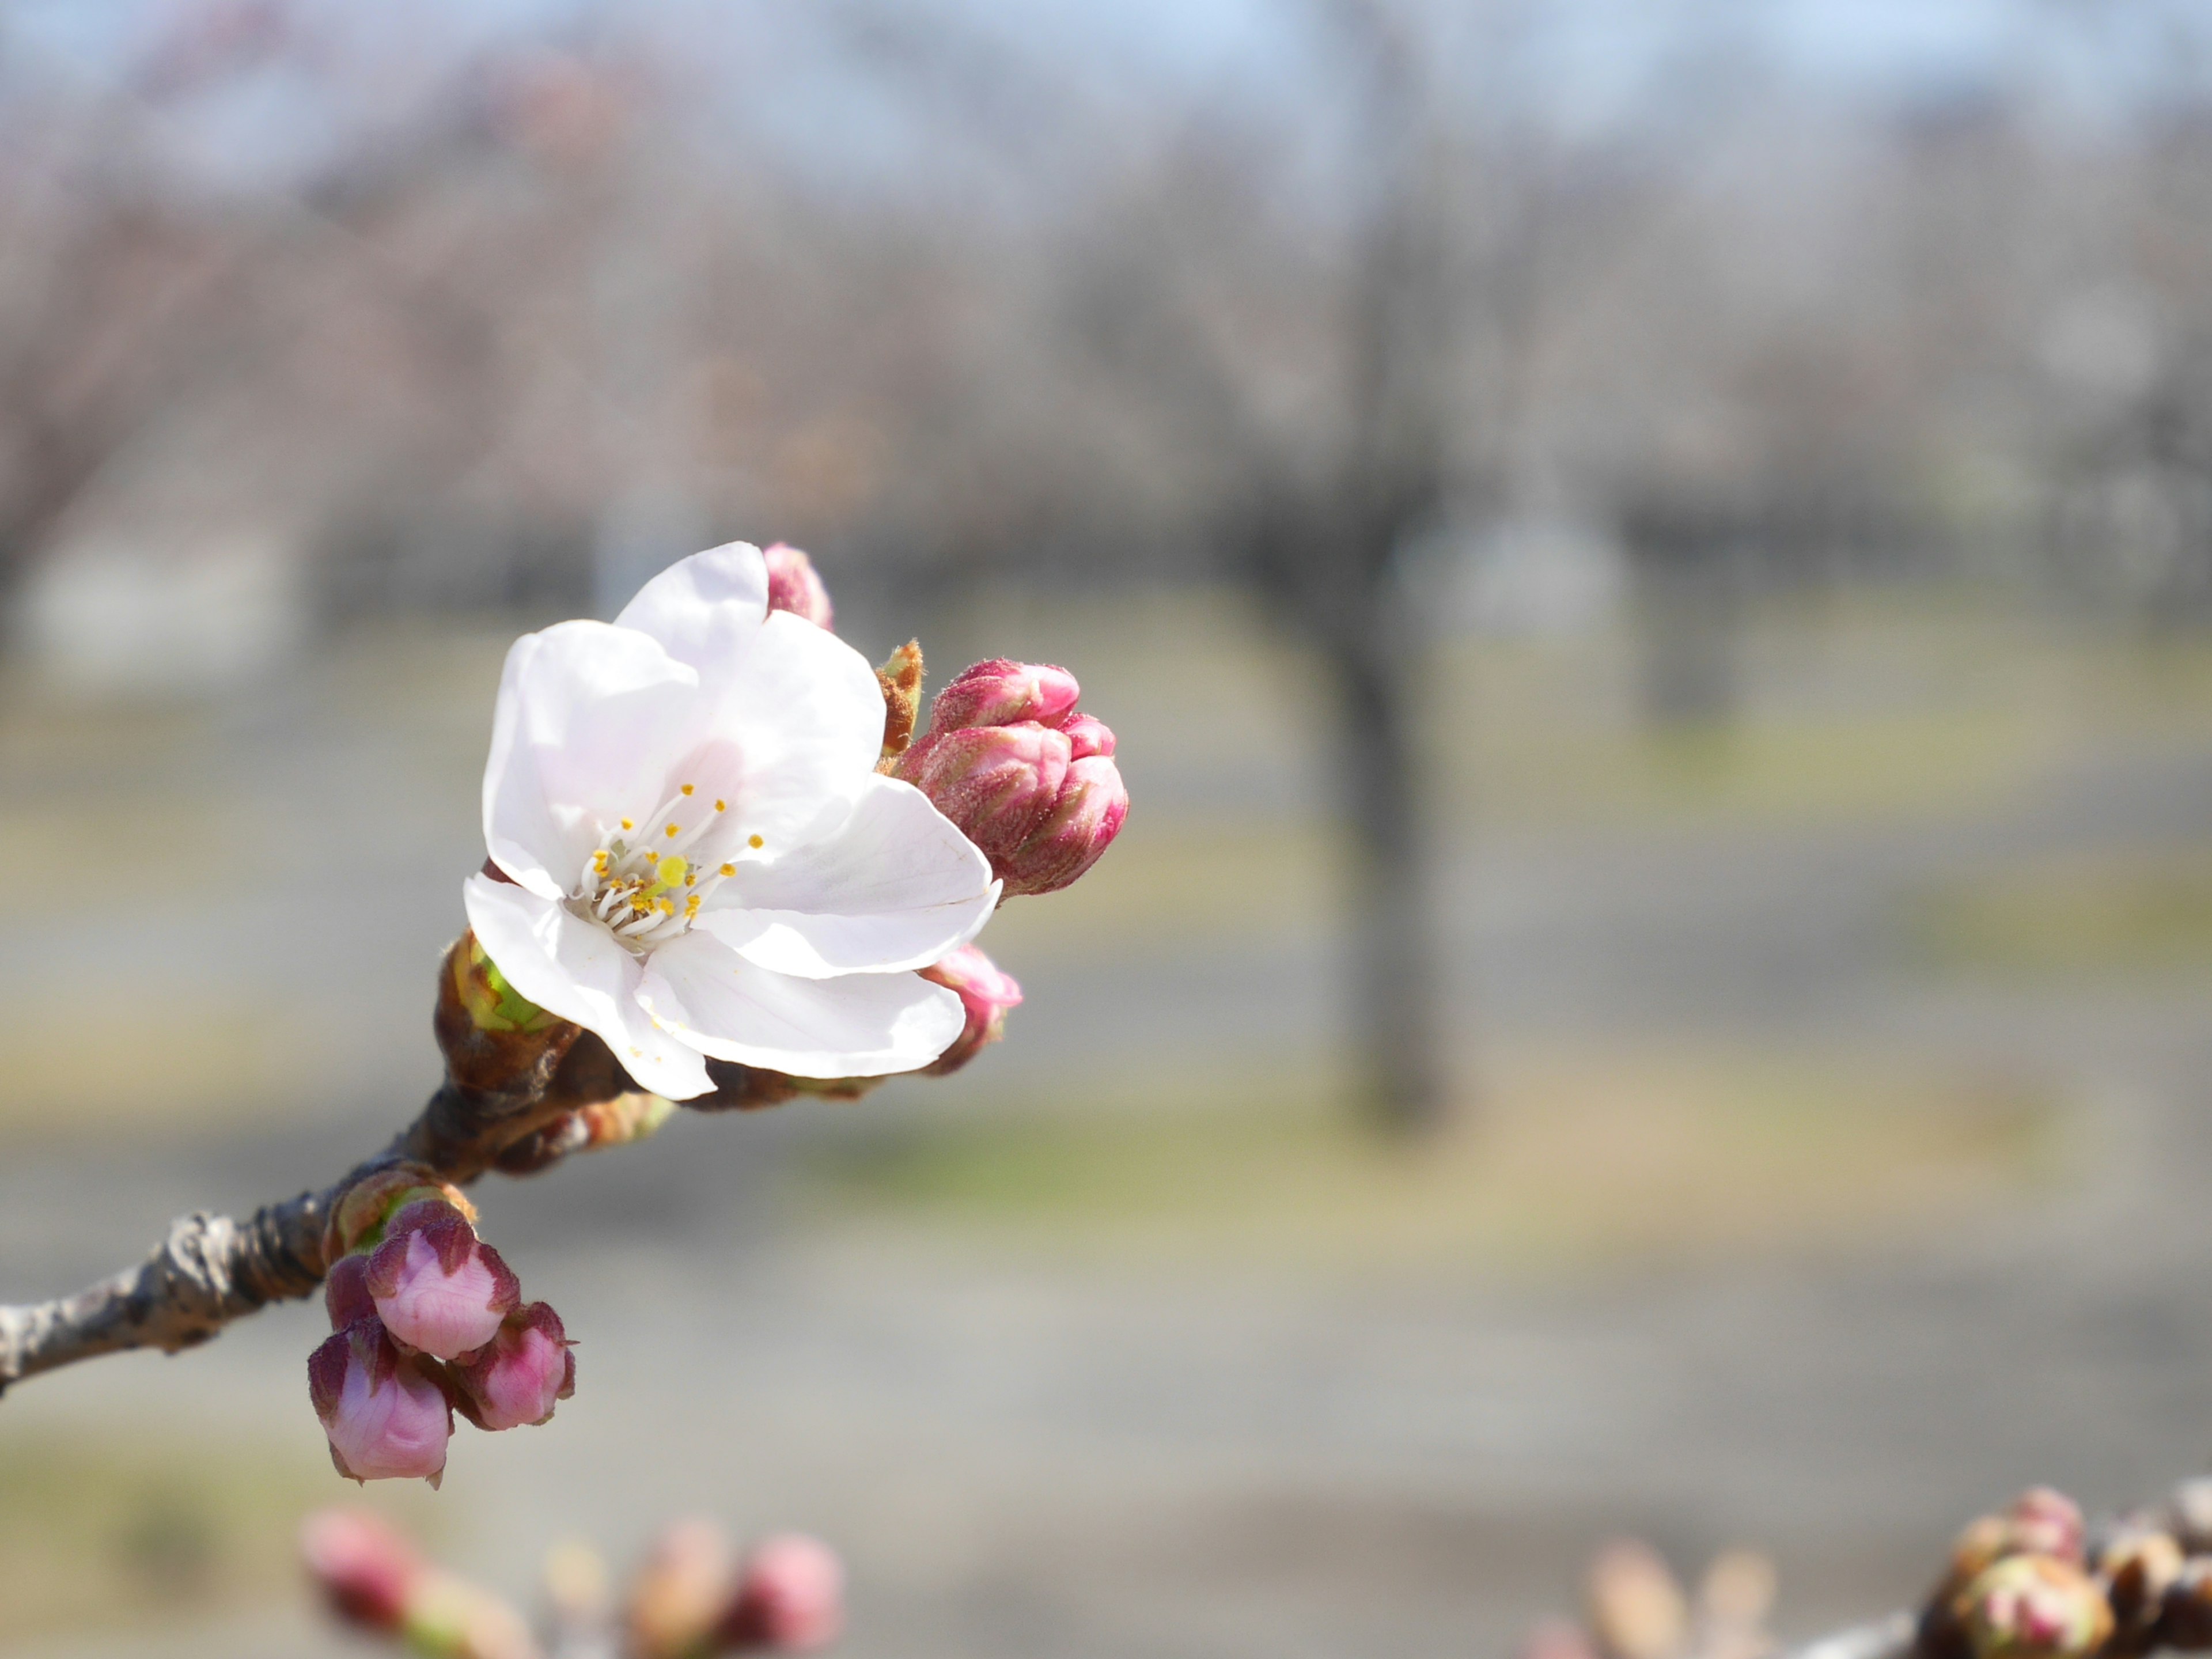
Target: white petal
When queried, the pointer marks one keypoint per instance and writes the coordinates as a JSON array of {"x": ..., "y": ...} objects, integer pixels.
[
  {"x": 576, "y": 970},
  {"x": 895, "y": 887},
  {"x": 589, "y": 720},
  {"x": 797, "y": 725},
  {"x": 704, "y": 610},
  {"x": 861, "y": 1025}
]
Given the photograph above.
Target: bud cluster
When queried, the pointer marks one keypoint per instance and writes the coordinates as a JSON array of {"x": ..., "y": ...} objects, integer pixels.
[
  {"x": 1028, "y": 779},
  {"x": 427, "y": 1320}
]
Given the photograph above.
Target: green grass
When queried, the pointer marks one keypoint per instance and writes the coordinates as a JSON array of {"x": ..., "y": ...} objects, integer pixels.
[{"x": 2126, "y": 914}]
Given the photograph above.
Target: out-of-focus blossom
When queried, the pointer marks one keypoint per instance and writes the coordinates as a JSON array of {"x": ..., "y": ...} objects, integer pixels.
[
  {"x": 366, "y": 1570},
  {"x": 517, "y": 1377},
  {"x": 387, "y": 1419},
  {"x": 795, "y": 586},
  {"x": 695, "y": 856},
  {"x": 2035, "y": 1606},
  {"x": 1636, "y": 1607},
  {"x": 986, "y": 993},
  {"x": 437, "y": 1288},
  {"x": 681, "y": 1591},
  {"x": 1030, "y": 781},
  {"x": 791, "y": 1598}
]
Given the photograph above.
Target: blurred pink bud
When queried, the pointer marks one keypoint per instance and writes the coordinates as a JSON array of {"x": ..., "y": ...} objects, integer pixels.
[
  {"x": 437, "y": 1288},
  {"x": 345, "y": 1292},
  {"x": 1027, "y": 779},
  {"x": 516, "y": 1377},
  {"x": 791, "y": 1597},
  {"x": 365, "y": 1570},
  {"x": 2045, "y": 1521},
  {"x": 2035, "y": 1606},
  {"x": 385, "y": 1419},
  {"x": 795, "y": 586},
  {"x": 1001, "y": 693},
  {"x": 986, "y": 993}
]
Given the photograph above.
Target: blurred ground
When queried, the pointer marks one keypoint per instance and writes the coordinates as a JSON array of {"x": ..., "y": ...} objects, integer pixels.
[{"x": 1833, "y": 1093}]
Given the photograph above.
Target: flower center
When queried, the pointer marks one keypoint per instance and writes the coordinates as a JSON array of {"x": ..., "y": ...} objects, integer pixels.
[{"x": 644, "y": 882}]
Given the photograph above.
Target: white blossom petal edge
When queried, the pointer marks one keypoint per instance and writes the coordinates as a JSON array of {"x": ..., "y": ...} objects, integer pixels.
[{"x": 700, "y": 856}]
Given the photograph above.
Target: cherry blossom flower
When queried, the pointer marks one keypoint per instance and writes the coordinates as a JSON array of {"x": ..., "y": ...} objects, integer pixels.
[{"x": 699, "y": 858}]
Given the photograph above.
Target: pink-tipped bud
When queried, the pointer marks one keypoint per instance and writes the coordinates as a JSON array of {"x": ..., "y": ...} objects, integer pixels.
[
  {"x": 1027, "y": 779},
  {"x": 516, "y": 1377},
  {"x": 986, "y": 993},
  {"x": 2035, "y": 1606},
  {"x": 440, "y": 1289},
  {"x": 386, "y": 1420},
  {"x": 795, "y": 586},
  {"x": 1003, "y": 693},
  {"x": 791, "y": 1598},
  {"x": 365, "y": 1570}
]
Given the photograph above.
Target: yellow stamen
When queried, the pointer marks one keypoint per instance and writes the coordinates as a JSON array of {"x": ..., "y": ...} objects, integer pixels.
[
  {"x": 721, "y": 806},
  {"x": 729, "y": 869},
  {"x": 687, "y": 788},
  {"x": 692, "y": 906},
  {"x": 666, "y": 907},
  {"x": 755, "y": 842},
  {"x": 673, "y": 831},
  {"x": 630, "y": 824}
]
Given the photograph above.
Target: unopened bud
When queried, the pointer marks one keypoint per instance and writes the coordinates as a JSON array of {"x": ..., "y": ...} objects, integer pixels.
[
  {"x": 517, "y": 1377},
  {"x": 1637, "y": 1607},
  {"x": 438, "y": 1288},
  {"x": 627, "y": 1118},
  {"x": 1027, "y": 779},
  {"x": 985, "y": 993},
  {"x": 2035, "y": 1606},
  {"x": 2045, "y": 1521},
  {"x": 2189, "y": 1509},
  {"x": 795, "y": 586},
  {"x": 1003, "y": 693},
  {"x": 449, "y": 1617},
  {"x": 2138, "y": 1564},
  {"x": 680, "y": 1592},
  {"x": 790, "y": 1598},
  {"x": 386, "y": 1420},
  {"x": 365, "y": 1570}
]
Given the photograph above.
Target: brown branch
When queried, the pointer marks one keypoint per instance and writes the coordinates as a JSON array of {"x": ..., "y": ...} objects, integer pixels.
[{"x": 508, "y": 1089}]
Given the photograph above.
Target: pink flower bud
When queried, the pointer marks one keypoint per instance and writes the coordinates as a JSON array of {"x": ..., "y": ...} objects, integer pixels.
[
  {"x": 795, "y": 586},
  {"x": 385, "y": 1419},
  {"x": 1027, "y": 779},
  {"x": 516, "y": 1377},
  {"x": 1001, "y": 693},
  {"x": 365, "y": 1570},
  {"x": 985, "y": 993},
  {"x": 790, "y": 1597},
  {"x": 437, "y": 1288}
]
